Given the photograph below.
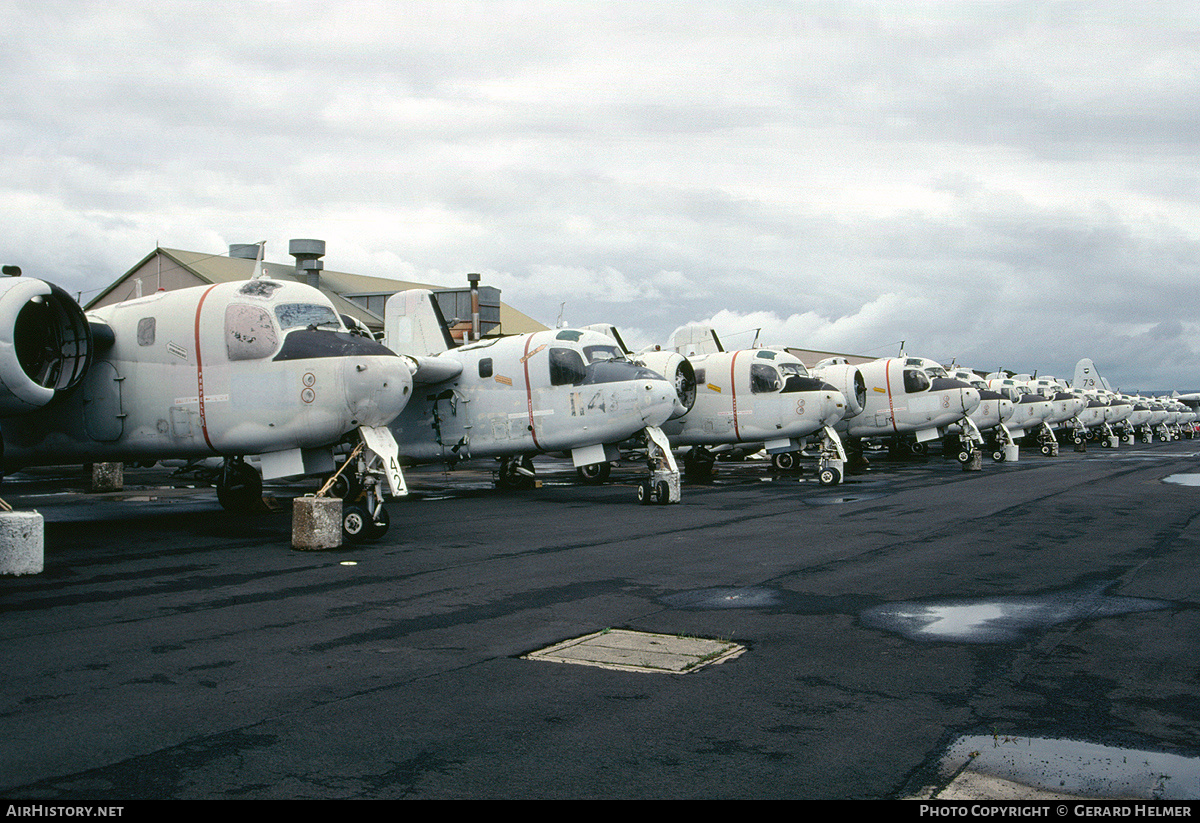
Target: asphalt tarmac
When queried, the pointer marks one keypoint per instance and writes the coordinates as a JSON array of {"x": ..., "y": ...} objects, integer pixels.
[{"x": 171, "y": 650}]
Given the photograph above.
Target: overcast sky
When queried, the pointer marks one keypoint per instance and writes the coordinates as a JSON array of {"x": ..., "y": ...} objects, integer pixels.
[{"x": 1008, "y": 184}]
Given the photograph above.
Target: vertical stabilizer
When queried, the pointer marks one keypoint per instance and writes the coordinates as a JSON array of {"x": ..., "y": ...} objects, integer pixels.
[
  {"x": 1087, "y": 377},
  {"x": 413, "y": 324},
  {"x": 695, "y": 338}
]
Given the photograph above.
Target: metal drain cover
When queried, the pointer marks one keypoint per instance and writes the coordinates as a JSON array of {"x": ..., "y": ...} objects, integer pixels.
[{"x": 640, "y": 652}]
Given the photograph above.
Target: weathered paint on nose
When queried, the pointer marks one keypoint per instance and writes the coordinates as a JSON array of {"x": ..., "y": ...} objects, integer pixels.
[
  {"x": 377, "y": 388},
  {"x": 833, "y": 406},
  {"x": 656, "y": 401},
  {"x": 970, "y": 399}
]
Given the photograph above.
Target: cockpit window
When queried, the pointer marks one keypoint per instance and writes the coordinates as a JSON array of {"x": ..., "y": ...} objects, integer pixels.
[
  {"x": 793, "y": 370},
  {"x": 304, "y": 315},
  {"x": 249, "y": 332},
  {"x": 764, "y": 378},
  {"x": 566, "y": 367},
  {"x": 601, "y": 353},
  {"x": 915, "y": 381},
  {"x": 936, "y": 371}
]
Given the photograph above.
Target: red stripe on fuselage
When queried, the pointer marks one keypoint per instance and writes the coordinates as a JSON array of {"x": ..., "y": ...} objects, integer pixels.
[
  {"x": 200, "y": 372},
  {"x": 887, "y": 372},
  {"x": 733, "y": 394},
  {"x": 529, "y": 392}
]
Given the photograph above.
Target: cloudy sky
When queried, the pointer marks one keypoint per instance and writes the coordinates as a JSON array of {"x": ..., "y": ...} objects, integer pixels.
[{"x": 1009, "y": 184}]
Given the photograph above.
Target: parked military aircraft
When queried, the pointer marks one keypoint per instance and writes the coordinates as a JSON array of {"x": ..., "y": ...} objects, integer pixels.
[
  {"x": 564, "y": 390},
  {"x": 763, "y": 397},
  {"x": 262, "y": 367},
  {"x": 901, "y": 399},
  {"x": 990, "y": 416}
]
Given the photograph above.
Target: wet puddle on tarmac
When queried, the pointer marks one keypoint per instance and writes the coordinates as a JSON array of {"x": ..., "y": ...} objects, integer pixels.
[
  {"x": 1075, "y": 767},
  {"x": 1000, "y": 620}
]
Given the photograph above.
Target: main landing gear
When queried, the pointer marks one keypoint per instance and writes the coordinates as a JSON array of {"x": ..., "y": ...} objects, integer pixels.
[
  {"x": 239, "y": 487},
  {"x": 517, "y": 474},
  {"x": 594, "y": 474},
  {"x": 699, "y": 463}
]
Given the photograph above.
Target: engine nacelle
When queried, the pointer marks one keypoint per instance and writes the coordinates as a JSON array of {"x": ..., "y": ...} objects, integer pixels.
[
  {"x": 678, "y": 370},
  {"x": 45, "y": 344},
  {"x": 847, "y": 379}
]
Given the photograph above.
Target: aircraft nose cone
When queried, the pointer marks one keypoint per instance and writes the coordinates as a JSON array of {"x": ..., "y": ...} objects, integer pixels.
[
  {"x": 377, "y": 388},
  {"x": 657, "y": 400},
  {"x": 970, "y": 399},
  {"x": 833, "y": 407}
]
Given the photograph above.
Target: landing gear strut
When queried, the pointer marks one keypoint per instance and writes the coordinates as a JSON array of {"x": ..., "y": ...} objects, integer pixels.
[
  {"x": 360, "y": 483},
  {"x": 663, "y": 484},
  {"x": 831, "y": 465}
]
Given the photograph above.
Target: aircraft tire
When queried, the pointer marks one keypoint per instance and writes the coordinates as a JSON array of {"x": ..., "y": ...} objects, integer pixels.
[
  {"x": 356, "y": 523},
  {"x": 347, "y": 486},
  {"x": 998, "y": 456},
  {"x": 784, "y": 462},
  {"x": 594, "y": 473},
  {"x": 379, "y": 528},
  {"x": 964, "y": 456},
  {"x": 644, "y": 493},
  {"x": 662, "y": 493},
  {"x": 1104, "y": 442},
  {"x": 829, "y": 476},
  {"x": 1046, "y": 449}
]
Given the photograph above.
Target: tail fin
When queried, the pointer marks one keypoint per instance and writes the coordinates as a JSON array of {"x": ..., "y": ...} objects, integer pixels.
[
  {"x": 695, "y": 338},
  {"x": 413, "y": 324},
  {"x": 1088, "y": 377}
]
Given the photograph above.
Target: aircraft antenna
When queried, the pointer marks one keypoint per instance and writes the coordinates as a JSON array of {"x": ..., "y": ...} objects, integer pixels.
[{"x": 258, "y": 268}]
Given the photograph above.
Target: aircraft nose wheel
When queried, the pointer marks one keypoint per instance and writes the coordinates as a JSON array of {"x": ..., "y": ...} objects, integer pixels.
[
  {"x": 359, "y": 527},
  {"x": 659, "y": 492},
  {"x": 829, "y": 476}
]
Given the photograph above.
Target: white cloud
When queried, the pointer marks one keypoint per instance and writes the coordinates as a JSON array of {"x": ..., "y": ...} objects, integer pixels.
[{"x": 1012, "y": 182}]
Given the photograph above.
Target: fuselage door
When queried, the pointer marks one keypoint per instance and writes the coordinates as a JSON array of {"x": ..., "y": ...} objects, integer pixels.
[{"x": 103, "y": 413}]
